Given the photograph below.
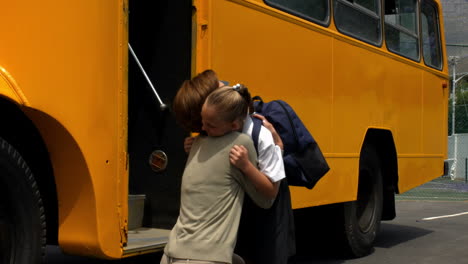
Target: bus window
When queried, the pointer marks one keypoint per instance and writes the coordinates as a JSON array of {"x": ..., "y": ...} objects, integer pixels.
[
  {"x": 401, "y": 28},
  {"x": 430, "y": 34},
  {"x": 313, "y": 10},
  {"x": 360, "y": 19}
]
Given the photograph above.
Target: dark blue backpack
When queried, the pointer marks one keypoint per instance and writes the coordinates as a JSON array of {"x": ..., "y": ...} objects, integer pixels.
[{"x": 304, "y": 163}]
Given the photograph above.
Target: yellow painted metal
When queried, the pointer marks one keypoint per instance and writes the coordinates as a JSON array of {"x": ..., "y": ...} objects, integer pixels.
[
  {"x": 123, "y": 172},
  {"x": 66, "y": 64},
  {"x": 201, "y": 36},
  {"x": 69, "y": 59},
  {"x": 339, "y": 86},
  {"x": 9, "y": 88}
]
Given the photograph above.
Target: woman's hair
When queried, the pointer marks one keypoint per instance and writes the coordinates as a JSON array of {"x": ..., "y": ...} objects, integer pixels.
[
  {"x": 232, "y": 103},
  {"x": 190, "y": 97}
]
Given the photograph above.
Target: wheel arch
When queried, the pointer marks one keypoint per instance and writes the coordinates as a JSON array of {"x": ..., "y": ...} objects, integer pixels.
[
  {"x": 20, "y": 132},
  {"x": 382, "y": 140}
]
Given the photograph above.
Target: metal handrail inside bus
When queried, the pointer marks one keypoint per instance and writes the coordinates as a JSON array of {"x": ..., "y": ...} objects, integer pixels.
[{"x": 162, "y": 105}]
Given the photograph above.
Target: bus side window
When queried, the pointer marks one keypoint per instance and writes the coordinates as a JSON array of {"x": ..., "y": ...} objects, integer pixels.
[
  {"x": 314, "y": 10},
  {"x": 359, "y": 19},
  {"x": 401, "y": 27},
  {"x": 430, "y": 34}
]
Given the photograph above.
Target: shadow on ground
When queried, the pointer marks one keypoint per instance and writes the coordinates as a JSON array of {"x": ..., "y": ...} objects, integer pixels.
[
  {"x": 55, "y": 256},
  {"x": 392, "y": 234}
]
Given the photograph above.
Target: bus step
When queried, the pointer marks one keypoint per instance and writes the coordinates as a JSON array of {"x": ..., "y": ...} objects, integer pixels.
[{"x": 145, "y": 240}]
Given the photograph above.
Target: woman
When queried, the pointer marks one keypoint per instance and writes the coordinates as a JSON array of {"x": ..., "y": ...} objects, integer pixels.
[{"x": 213, "y": 183}]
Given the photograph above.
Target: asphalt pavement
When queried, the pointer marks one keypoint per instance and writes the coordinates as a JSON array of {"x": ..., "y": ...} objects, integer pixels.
[
  {"x": 424, "y": 232},
  {"x": 431, "y": 227}
]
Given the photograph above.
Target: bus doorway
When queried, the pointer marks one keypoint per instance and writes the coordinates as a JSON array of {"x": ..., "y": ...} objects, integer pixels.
[{"x": 160, "y": 35}]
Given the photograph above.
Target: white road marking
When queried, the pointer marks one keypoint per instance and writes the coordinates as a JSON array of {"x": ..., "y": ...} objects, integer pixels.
[{"x": 443, "y": 216}]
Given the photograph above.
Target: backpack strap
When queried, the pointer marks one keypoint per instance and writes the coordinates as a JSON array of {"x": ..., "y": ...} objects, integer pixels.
[
  {"x": 258, "y": 104},
  {"x": 257, "y": 125}
]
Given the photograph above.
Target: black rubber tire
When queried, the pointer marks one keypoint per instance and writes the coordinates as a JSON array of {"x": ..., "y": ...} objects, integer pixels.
[
  {"x": 362, "y": 217},
  {"x": 22, "y": 219}
]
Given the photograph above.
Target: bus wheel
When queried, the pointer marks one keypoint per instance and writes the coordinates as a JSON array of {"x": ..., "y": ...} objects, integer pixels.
[
  {"x": 362, "y": 217},
  {"x": 22, "y": 220}
]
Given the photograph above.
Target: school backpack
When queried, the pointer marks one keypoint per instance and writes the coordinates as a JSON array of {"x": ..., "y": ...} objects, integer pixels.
[{"x": 304, "y": 163}]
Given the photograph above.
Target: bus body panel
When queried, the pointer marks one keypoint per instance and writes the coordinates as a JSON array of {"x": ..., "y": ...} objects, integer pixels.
[
  {"x": 264, "y": 59},
  {"x": 9, "y": 88},
  {"x": 69, "y": 59},
  {"x": 339, "y": 86}
]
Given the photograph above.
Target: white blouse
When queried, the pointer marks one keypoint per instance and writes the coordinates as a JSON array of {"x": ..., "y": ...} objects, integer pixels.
[{"x": 270, "y": 158}]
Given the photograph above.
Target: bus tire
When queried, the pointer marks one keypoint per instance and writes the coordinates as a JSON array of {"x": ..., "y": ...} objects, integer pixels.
[
  {"x": 362, "y": 217},
  {"x": 22, "y": 219}
]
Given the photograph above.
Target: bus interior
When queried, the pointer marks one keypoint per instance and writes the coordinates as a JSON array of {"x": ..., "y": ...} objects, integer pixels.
[{"x": 160, "y": 35}]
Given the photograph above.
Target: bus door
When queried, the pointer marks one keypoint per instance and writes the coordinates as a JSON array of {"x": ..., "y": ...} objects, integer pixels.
[{"x": 160, "y": 36}]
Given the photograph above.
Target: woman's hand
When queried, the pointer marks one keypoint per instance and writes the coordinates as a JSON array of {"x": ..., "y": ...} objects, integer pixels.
[
  {"x": 269, "y": 126},
  {"x": 188, "y": 141},
  {"x": 239, "y": 157}
]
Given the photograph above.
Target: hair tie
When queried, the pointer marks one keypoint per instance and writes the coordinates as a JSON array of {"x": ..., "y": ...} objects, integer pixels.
[{"x": 237, "y": 87}]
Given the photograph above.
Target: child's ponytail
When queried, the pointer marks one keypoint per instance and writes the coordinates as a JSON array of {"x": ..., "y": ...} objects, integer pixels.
[{"x": 244, "y": 92}]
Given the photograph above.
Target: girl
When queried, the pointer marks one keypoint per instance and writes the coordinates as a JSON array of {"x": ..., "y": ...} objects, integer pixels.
[{"x": 213, "y": 189}]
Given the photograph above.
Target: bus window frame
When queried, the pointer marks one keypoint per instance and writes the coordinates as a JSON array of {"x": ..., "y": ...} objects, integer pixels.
[
  {"x": 436, "y": 8},
  {"x": 325, "y": 23},
  {"x": 362, "y": 9},
  {"x": 403, "y": 29}
]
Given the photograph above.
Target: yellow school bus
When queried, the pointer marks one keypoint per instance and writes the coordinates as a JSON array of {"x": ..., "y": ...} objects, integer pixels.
[{"x": 91, "y": 157}]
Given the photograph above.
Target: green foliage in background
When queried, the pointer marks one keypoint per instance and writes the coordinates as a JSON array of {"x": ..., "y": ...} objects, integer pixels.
[{"x": 461, "y": 108}]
